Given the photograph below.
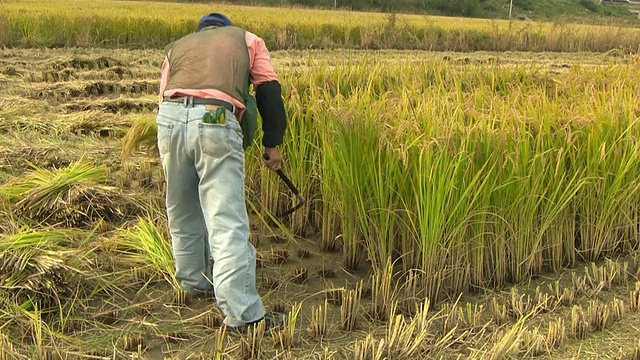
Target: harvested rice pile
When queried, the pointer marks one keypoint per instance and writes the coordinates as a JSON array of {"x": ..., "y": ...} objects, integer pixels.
[{"x": 77, "y": 196}]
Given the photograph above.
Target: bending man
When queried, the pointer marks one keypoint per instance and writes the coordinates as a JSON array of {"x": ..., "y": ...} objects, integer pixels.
[{"x": 203, "y": 92}]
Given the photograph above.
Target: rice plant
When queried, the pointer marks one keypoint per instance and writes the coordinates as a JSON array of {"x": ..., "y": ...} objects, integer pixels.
[
  {"x": 402, "y": 338},
  {"x": 146, "y": 247},
  {"x": 141, "y": 136}
]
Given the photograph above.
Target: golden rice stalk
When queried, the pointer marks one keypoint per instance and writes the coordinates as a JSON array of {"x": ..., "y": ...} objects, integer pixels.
[
  {"x": 6, "y": 348},
  {"x": 402, "y": 340},
  {"x": 533, "y": 343},
  {"x": 422, "y": 318},
  {"x": 579, "y": 323},
  {"x": 556, "y": 334},
  {"x": 634, "y": 300},
  {"x": 382, "y": 293},
  {"x": 563, "y": 296},
  {"x": 499, "y": 312},
  {"x": 285, "y": 338},
  {"x": 181, "y": 298},
  {"x": 141, "y": 135},
  {"x": 300, "y": 275},
  {"x": 94, "y": 122},
  {"x": 318, "y": 325},
  {"x": 251, "y": 342},
  {"x": 507, "y": 343},
  {"x": 412, "y": 291},
  {"x": 368, "y": 349},
  {"x": 451, "y": 319},
  {"x": 521, "y": 304},
  {"x": 145, "y": 244},
  {"x": 617, "y": 271},
  {"x": 220, "y": 343},
  {"x": 212, "y": 320},
  {"x": 586, "y": 286},
  {"x": 349, "y": 308},
  {"x": 600, "y": 277},
  {"x": 635, "y": 355},
  {"x": 133, "y": 342},
  {"x": 599, "y": 315},
  {"x": 543, "y": 300},
  {"x": 617, "y": 309},
  {"x": 471, "y": 315}
]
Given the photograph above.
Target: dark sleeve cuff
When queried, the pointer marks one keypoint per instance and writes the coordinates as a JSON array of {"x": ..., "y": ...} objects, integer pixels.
[{"x": 271, "y": 108}]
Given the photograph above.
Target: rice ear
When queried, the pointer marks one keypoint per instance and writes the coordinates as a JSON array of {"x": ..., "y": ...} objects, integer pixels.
[{"x": 141, "y": 135}]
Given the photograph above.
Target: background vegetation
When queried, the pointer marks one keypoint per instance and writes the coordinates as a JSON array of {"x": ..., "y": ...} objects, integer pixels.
[
  {"x": 555, "y": 10},
  {"x": 148, "y": 25}
]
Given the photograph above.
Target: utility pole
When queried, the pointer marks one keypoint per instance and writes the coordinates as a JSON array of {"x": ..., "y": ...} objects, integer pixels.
[{"x": 510, "y": 8}]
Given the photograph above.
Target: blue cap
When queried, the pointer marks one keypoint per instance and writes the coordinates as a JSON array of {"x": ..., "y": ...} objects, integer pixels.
[{"x": 214, "y": 17}]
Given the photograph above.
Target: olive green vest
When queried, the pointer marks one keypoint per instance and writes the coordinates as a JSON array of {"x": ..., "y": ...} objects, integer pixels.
[{"x": 213, "y": 58}]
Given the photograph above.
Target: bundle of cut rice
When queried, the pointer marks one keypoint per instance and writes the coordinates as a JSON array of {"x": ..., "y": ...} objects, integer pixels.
[
  {"x": 37, "y": 264},
  {"x": 141, "y": 135},
  {"x": 75, "y": 196}
]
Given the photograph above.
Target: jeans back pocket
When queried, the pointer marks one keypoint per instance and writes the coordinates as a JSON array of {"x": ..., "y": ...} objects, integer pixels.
[
  {"x": 164, "y": 132},
  {"x": 214, "y": 139}
]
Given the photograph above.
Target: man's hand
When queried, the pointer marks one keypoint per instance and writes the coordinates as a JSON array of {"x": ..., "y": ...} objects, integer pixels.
[{"x": 272, "y": 158}]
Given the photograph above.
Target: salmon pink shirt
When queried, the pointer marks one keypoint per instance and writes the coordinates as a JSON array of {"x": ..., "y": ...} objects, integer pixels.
[{"x": 261, "y": 70}]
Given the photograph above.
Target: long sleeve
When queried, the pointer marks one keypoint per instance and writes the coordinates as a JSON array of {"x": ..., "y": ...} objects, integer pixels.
[
  {"x": 268, "y": 92},
  {"x": 274, "y": 117}
]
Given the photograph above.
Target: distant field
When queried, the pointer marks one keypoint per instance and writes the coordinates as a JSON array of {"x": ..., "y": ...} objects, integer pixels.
[{"x": 108, "y": 23}]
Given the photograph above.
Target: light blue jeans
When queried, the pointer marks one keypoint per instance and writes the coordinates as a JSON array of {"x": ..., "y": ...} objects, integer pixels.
[{"x": 204, "y": 172}]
